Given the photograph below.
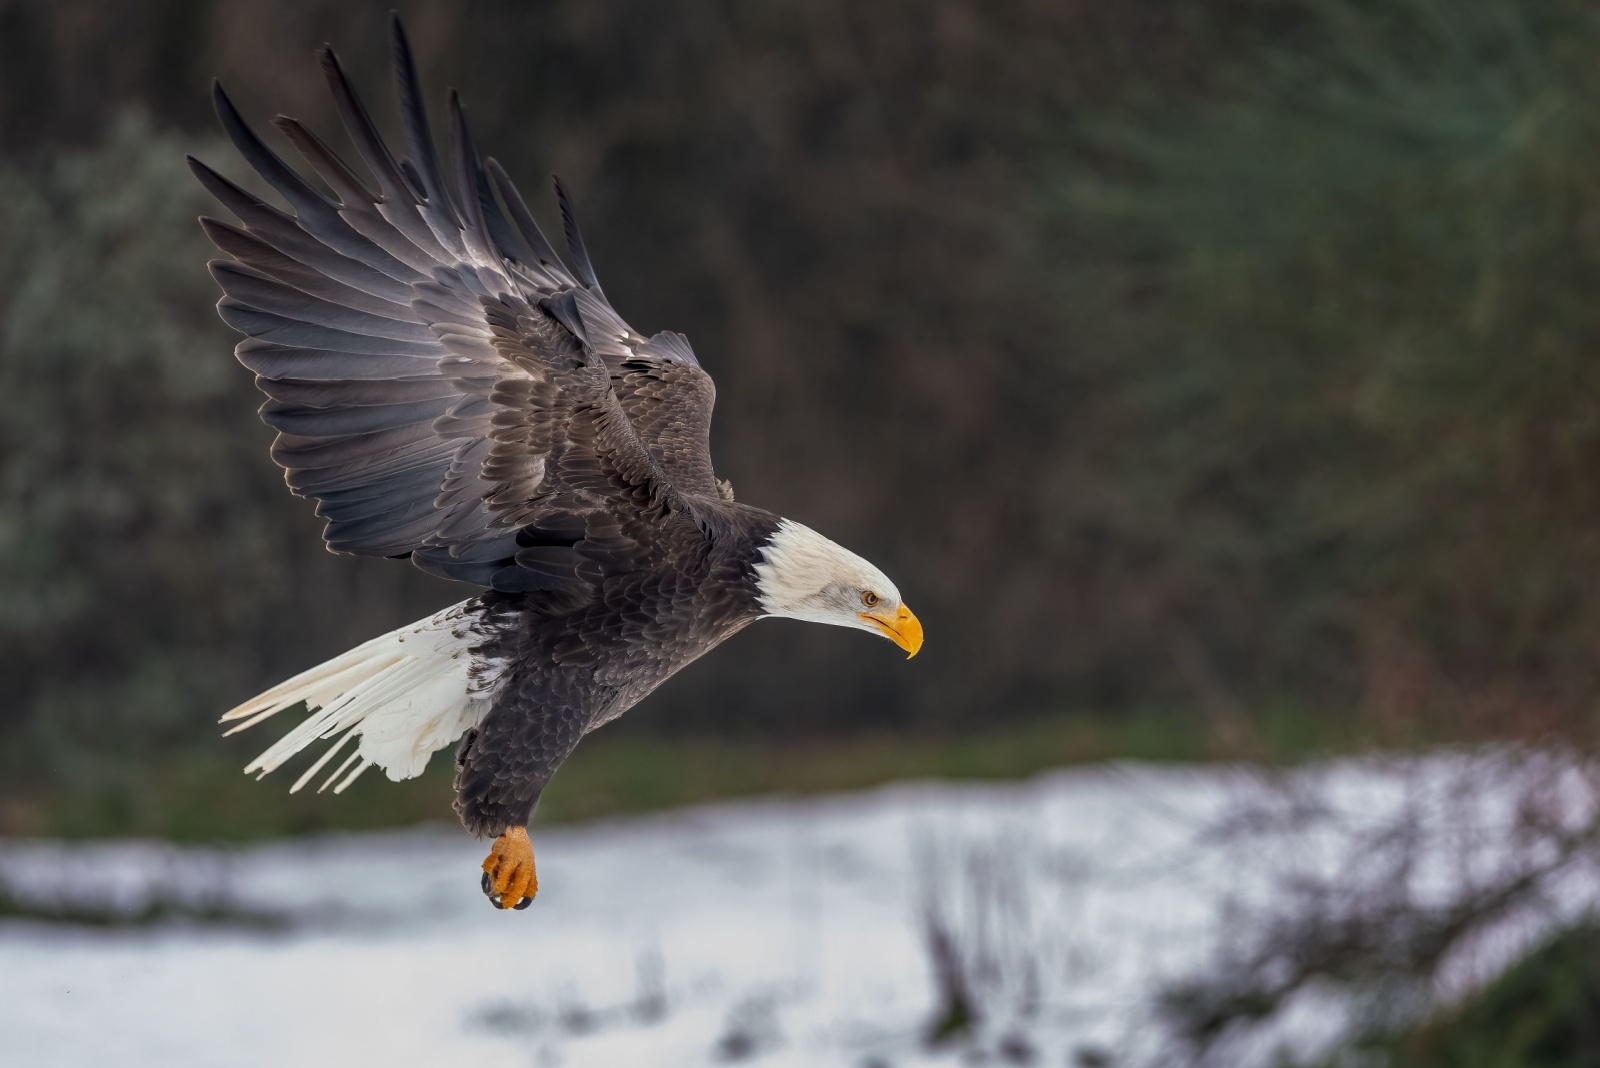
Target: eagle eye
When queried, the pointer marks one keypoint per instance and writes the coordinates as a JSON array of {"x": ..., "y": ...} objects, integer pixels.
[{"x": 869, "y": 599}]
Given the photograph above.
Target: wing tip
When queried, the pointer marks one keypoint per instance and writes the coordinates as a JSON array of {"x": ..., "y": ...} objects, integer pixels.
[
  {"x": 328, "y": 60},
  {"x": 575, "y": 246}
]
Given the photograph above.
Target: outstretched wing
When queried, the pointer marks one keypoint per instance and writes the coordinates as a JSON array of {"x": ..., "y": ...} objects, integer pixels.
[{"x": 440, "y": 381}]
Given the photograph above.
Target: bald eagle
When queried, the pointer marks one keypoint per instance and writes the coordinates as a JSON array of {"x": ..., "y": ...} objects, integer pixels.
[{"x": 450, "y": 391}]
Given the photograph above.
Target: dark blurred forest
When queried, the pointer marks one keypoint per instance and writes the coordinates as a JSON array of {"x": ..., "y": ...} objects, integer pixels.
[{"x": 1204, "y": 358}]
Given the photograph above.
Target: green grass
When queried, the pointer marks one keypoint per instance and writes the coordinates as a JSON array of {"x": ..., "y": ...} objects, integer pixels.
[
  {"x": 1544, "y": 1012},
  {"x": 205, "y": 798}
]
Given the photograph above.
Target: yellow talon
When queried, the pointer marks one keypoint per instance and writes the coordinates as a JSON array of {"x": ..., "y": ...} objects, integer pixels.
[{"x": 509, "y": 878}]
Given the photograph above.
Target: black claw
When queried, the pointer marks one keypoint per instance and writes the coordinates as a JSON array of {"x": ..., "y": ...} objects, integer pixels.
[
  {"x": 524, "y": 903},
  {"x": 494, "y": 900},
  {"x": 488, "y": 887}
]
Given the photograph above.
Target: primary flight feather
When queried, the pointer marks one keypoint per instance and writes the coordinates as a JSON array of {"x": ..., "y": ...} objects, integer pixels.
[{"x": 452, "y": 392}]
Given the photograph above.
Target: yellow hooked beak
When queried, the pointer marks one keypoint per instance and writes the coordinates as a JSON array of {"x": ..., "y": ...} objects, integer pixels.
[{"x": 901, "y": 628}]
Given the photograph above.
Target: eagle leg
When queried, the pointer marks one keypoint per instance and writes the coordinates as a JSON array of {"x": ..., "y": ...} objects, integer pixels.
[{"x": 509, "y": 878}]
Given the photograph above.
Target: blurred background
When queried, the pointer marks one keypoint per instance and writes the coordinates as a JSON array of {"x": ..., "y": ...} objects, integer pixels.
[
  {"x": 1214, "y": 378},
  {"x": 1218, "y": 380}
]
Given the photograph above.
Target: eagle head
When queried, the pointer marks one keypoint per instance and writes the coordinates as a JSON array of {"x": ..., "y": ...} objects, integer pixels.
[{"x": 802, "y": 575}]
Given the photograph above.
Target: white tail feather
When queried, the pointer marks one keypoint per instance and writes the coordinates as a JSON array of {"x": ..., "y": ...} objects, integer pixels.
[{"x": 403, "y": 696}]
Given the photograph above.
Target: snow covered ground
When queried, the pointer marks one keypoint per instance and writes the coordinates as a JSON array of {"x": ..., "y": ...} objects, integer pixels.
[{"x": 774, "y": 933}]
